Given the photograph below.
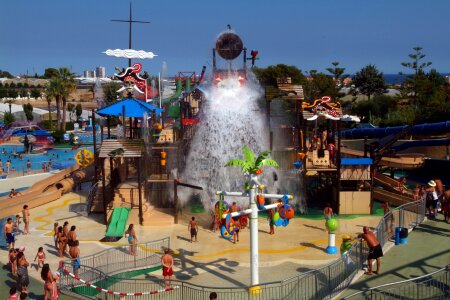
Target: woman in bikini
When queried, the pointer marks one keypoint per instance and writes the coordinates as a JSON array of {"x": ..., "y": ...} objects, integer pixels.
[
  {"x": 61, "y": 241},
  {"x": 132, "y": 240},
  {"x": 40, "y": 256},
  {"x": 46, "y": 275},
  {"x": 55, "y": 234}
]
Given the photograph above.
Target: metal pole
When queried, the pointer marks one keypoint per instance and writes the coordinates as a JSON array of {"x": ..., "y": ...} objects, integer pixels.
[
  {"x": 124, "y": 124},
  {"x": 109, "y": 125},
  {"x": 254, "y": 259},
  {"x": 175, "y": 199},
  {"x": 159, "y": 89},
  {"x": 104, "y": 192},
  {"x": 141, "y": 217},
  {"x": 129, "y": 40},
  {"x": 95, "y": 146}
]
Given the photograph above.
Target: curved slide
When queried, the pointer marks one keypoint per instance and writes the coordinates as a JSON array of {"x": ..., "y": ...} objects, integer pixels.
[
  {"x": 421, "y": 129},
  {"x": 44, "y": 191},
  {"x": 118, "y": 222},
  {"x": 391, "y": 193},
  {"x": 390, "y": 197},
  {"x": 389, "y": 184},
  {"x": 422, "y": 143},
  {"x": 179, "y": 88},
  {"x": 174, "y": 97}
]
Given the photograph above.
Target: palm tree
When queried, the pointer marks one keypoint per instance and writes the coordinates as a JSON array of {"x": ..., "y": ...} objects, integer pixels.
[
  {"x": 54, "y": 90},
  {"x": 250, "y": 165},
  {"x": 68, "y": 86}
]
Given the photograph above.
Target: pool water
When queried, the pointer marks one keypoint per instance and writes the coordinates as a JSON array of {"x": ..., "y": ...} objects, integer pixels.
[
  {"x": 87, "y": 137},
  {"x": 60, "y": 158}
]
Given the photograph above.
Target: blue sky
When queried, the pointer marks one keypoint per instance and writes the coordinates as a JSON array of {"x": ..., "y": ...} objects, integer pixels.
[{"x": 308, "y": 34}]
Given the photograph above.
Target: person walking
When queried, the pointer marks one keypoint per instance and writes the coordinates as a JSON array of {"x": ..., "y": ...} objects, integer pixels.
[
  {"x": 270, "y": 213},
  {"x": 66, "y": 234},
  {"x": 167, "y": 264},
  {"x": 46, "y": 275},
  {"x": 13, "y": 294},
  {"x": 26, "y": 219},
  {"x": 40, "y": 256},
  {"x": 388, "y": 218},
  {"x": 55, "y": 234},
  {"x": 193, "y": 228},
  {"x": 74, "y": 253},
  {"x": 8, "y": 233},
  {"x": 130, "y": 234},
  {"x": 12, "y": 257},
  {"x": 213, "y": 296},
  {"x": 61, "y": 241},
  {"x": 235, "y": 208},
  {"x": 375, "y": 250},
  {"x": 432, "y": 200},
  {"x": 22, "y": 272},
  {"x": 71, "y": 236},
  {"x": 328, "y": 212}
]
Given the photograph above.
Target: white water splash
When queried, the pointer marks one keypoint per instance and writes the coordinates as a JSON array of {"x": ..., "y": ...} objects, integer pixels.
[{"x": 231, "y": 118}]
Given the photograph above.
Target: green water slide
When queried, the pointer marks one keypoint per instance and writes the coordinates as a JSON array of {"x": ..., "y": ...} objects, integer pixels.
[
  {"x": 119, "y": 218},
  {"x": 174, "y": 97}
]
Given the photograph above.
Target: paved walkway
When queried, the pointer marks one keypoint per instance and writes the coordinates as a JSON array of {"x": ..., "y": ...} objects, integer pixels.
[
  {"x": 214, "y": 261},
  {"x": 428, "y": 250}
]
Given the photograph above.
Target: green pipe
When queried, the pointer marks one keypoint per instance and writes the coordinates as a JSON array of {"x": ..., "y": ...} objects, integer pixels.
[{"x": 178, "y": 91}]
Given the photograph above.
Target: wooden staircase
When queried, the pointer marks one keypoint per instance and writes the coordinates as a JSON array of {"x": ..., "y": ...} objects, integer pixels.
[{"x": 126, "y": 194}]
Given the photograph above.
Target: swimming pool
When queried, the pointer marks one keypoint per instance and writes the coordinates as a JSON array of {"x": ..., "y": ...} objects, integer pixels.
[
  {"x": 87, "y": 137},
  {"x": 59, "y": 158}
]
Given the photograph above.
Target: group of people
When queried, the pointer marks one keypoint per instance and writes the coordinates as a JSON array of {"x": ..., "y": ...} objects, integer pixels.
[
  {"x": 66, "y": 239},
  {"x": 435, "y": 197},
  {"x": 240, "y": 222},
  {"x": 12, "y": 228}
]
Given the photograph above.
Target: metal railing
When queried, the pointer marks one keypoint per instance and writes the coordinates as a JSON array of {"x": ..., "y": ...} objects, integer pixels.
[
  {"x": 118, "y": 259},
  {"x": 323, "y": 283},
  {"x": 90, "y": 198},
  {"x": 431, "y": 286}
]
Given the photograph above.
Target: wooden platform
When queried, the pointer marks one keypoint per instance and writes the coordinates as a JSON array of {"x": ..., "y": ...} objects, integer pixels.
[{"x": 153, "y": 216}]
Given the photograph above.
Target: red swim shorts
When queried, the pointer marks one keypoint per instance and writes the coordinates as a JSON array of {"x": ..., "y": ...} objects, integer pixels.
[{"x": 167, "y": 271}]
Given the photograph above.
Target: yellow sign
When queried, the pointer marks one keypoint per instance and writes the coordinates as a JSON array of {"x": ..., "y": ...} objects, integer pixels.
[{"x": 84, "y": 157}]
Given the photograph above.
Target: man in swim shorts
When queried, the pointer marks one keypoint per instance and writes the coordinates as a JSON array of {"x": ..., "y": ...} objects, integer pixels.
[
  {"x": 328, "y": 212},
  {"x": 8, "y": 232},
  {"x": 375, "y": 250},
  {"x": 74, "y": 253},
  {"x": 167, "y": 264},
  {"x": 193, "y": 228}
]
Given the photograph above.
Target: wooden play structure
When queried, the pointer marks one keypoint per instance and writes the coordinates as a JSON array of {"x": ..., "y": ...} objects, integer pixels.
[
  {"x": 331, "y": 174},
  {"x": 135, "y": 178}
]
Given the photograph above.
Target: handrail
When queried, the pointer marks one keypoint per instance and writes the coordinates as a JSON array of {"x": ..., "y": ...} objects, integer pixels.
[
  {"x": 413, "y": 280},
  {"x": 91, "y": 197},
  {"x": 324, "y": 282}
]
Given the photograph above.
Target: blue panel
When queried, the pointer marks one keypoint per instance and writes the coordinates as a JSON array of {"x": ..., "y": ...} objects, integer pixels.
[{"x": 356, "y": 161}]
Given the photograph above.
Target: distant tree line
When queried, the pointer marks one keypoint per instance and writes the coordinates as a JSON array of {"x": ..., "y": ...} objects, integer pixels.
[{"x": 424, "y": 96}]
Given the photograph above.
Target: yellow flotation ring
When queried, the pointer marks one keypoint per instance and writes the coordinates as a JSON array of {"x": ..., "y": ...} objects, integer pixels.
[{"x": 84, "y": 157}]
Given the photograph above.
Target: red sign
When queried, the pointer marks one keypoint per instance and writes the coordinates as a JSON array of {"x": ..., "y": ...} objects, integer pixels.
[{"x": 190, "y": 121}]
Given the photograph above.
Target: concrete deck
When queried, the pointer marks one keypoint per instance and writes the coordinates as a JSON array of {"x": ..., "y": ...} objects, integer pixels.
[
  {"x": 427, "y": 250},
  {"x": 212, "y": 260}
]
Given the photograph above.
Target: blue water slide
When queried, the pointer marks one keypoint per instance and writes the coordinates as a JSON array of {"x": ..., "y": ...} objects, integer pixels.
[{"x": 421, "y": 129}]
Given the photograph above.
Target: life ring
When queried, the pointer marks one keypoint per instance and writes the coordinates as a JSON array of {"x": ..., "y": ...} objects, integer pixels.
[{"x": 84, "y": 157}]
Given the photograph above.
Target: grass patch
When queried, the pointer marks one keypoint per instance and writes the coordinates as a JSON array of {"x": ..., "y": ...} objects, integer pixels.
[{"x": 110, "y": 281}]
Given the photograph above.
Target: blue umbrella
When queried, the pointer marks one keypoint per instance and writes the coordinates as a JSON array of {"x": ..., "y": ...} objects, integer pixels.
[{"x": 133, "y": 109}]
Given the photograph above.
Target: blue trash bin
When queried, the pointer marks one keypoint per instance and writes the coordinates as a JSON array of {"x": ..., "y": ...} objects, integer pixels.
[
  {"x": 403, "y": 236},
  {"x": 397, "y": 236}
]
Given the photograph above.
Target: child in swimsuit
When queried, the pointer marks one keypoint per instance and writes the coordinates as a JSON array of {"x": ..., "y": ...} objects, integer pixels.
[
  {"x": 12, "y": 261},
  {"x": 40, "y": 255}
]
